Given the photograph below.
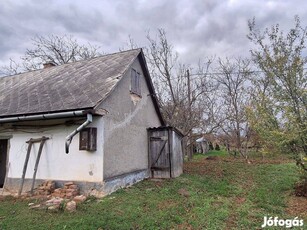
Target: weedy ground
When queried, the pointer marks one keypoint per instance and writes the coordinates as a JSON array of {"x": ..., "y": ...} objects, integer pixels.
[{"x": 220, "y": 193}]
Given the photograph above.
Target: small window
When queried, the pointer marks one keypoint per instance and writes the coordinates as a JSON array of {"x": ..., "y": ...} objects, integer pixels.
[
  {"x": 88, "y": 137},
  {"x": 135, "y": 82}
]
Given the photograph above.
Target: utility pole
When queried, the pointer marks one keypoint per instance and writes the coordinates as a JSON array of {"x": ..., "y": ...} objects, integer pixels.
[
  {"x": 189, "y": 90},
  {"x": 190, "y": 147}
]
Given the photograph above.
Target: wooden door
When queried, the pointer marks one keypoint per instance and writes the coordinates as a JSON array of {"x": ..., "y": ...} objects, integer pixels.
[
  {"x": 3, "y": 154},
  {"x": 159, "y": 154}
]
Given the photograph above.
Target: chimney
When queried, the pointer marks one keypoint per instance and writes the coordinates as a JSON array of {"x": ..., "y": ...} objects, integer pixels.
[{"x": 48, "y": 65}]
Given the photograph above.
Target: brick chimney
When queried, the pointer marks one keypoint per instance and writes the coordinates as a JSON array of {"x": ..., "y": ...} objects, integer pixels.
[{"x": 48, "y": 65}]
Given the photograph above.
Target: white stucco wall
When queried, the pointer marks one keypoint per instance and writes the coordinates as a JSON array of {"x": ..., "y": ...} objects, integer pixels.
[
  {"x": 54, "y": 163},
  {"x": 125, "y": 125},
  {"x": 122, "y": 145}
]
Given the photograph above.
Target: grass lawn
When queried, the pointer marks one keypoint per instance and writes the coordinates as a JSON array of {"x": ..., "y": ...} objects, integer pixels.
[{"x": 221, "y": 193}]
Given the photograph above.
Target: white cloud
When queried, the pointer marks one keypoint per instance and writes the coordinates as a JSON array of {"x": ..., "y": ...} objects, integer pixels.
[{"x": 196, "y": 28}]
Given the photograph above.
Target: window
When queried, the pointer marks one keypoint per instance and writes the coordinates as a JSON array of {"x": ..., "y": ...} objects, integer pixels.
[
  {"x": 88, "y": 137},
  {"x": 135, "y": 82}
]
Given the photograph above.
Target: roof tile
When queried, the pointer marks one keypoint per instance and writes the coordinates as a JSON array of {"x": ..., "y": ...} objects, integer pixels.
[{"x": 73, "y": 86}]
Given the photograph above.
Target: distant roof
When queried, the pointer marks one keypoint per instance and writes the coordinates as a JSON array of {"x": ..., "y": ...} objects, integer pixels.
[
  {"x": 202, "y": 139},
  {"x": 79, "y": 85}
]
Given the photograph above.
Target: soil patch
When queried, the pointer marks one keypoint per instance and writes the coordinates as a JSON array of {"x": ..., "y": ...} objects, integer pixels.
[
  {"x": 205, "y": 167},
  {"x": 184, "y": 226},
  {"x": 297, "y": 206},
  {"x": 301, "y": 189},
  {"x": 167, "y": 204},
  {"x": 212, "y": 158},
  {"x": 184, "y": 192}
]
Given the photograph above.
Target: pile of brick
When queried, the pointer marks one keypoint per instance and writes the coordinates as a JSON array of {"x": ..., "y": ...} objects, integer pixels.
[
  {"x": 45, "y": 188},
  {"x": 58, "y": 198},
  {"x": 57, "y": 203},
  {"x": 69, "y": 191}
]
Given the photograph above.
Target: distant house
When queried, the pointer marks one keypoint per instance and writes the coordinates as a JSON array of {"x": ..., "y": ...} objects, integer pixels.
[
  {"x": 87, "y": 119},
  {"x": 202, "y": 145}
]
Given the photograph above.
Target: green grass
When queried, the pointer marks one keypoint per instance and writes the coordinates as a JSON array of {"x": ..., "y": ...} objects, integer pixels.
[
  {"x": 217, "y": 153},
  {"x": 198, "y": 156},
  {"x": 235, "y": 196}
]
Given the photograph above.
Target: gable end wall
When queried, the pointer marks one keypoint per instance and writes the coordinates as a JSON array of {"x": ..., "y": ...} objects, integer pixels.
[{"x": 125, "y": 134}]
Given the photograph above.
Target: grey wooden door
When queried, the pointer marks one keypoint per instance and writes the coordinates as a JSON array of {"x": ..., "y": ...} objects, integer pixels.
[
  {"x": 159, "y": 154},
  {"x": 3, "y": 154}
]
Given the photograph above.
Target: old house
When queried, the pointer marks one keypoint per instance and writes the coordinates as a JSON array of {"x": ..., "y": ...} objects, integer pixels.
[
  {"x": 84, "y": 122},
  {"x": 202, "y": 145}
]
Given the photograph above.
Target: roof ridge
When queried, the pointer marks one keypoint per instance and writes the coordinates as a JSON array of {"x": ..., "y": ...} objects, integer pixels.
[{"x": 71, "y": 63}]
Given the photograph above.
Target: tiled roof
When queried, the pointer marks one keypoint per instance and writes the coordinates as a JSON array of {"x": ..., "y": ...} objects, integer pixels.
[{"x": 79, "y": 85}]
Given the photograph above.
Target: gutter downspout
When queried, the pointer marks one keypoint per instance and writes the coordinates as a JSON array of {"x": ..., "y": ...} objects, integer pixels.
[{"x": 70, "y": 136}]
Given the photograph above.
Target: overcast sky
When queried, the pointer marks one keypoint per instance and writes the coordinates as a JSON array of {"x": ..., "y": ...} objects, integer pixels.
[{"x": 197, "y": 29}]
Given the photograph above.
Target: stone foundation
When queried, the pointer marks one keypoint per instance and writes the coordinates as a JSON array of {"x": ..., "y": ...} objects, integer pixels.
[
  {"x": 12, "y": 185},
  {"x": 125, "y": 180},
  {"x": 97, "y": 189}
]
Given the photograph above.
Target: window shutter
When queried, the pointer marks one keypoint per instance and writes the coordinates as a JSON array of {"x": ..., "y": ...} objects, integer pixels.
[
  {"x": 135, "y": 82},
  {"x": 138, "y": 84},
  {"x": 83, "y": 142},
  {"x": 88, "y": 139}
]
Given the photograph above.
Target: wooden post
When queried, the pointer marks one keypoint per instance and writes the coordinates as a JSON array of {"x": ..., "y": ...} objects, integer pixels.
[
  {"x": 31, "y": 142},
  {"x": 170, "y": 152},
  {"x": 189, "y": 89},
  {"x": 149, "y": 153},
  {"x": 189, "y": 145},
  {"x": 25, "y": 166},
  {"x": 37, "y": 161}
]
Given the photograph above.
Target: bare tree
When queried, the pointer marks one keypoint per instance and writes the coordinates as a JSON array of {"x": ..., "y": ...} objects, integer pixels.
[
  {"x": 11, "y": 69},
  {"x": 129, "y": 44},
  {"x": 56, "y": 49},
  {"x": 182, "y": 95},
  {"x": 233, "y": 77}
]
